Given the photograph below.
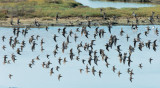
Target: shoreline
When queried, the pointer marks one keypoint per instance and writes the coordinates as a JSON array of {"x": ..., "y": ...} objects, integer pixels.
[
  {"x": 134, "y": 1},
  {"x": 77, "y": 21}
]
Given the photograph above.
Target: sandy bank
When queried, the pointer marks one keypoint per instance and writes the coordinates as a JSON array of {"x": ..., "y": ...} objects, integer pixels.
[{"x": 75, "y": 21}]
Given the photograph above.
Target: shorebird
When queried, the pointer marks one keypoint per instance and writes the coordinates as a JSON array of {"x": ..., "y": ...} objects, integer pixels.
[
  {"x": 57, "y": 68},
  {"x": 54, "y": 37},
  {"x": 93, "y": 70},
  {"x": 150, "y": 60},
  {"x": 46, "y": 28},
  {"x": 57, "y": 16},
  {"x": 11, "y": 22},
  {"x": 30, "y": 65},
  {"x": 18, "y": 21},
  {"x": 51, "y": 72},
  {"x": 88, "y": 51},
  {"x": 131, "y": 78},
  {"x": 47, "y": 56},
  {"x": 140, "y": 66},
  {"x": 3, "y": 47},
  {"x": 59, "y": 76},
  {"x": 114, "y": 68},
  {"x": 127, "y": 37},
  {"x": 81, "y": 70},
  {"x": 100, "y": 73},
  {"x": 119, "y": 73},
  {"x": 107, "y": 64},
  {"x": 10, "y": 76},
  {"x": 3, "y": 38}
]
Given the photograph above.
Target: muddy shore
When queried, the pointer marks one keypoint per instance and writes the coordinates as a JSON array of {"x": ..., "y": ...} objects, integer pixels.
[{"x": 76, "y": 21}]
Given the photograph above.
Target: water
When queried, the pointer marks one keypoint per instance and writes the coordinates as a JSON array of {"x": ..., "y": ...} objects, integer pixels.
[
  {"x": 104, "y": 4},
  {"x": 38, "y": 77}
]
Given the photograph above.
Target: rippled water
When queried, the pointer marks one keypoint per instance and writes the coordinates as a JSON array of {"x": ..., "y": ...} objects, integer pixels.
[
  {"x": 103, "y": 4},
  {"x": 38, "y": 77}
]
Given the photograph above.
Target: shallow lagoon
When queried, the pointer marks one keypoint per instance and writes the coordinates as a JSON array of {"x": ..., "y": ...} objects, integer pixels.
[
  {"x": 38, "y": 77},
  {"x": 104, "y": 4}
]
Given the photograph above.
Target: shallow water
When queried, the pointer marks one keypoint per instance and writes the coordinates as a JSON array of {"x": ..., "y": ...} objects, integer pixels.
[
  {"x": 104, "y": 4},
  {"x": 38, "y": 77}
]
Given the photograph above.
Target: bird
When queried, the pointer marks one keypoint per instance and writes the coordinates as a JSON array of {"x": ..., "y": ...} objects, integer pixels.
[
  {"x": 128, "y": 70},
  {"x": 55, "y": 37},
  {"x": 59, "y": 76},
  {"x": 83, "y": 61},
  {"x": 131, "y": 79},
  {"x": 80, "y": 46},
  {"x": 87, "y": 69},
  {"x": 59, "y": 60},
  {"x": 114, "y": 68},
  {"x": 107, "y": 64},
  {"x": 57, "y": 68},
  {"x": 81, "y": 70},
  {"x": 150, "y": 60},
  {"x": 43, "y": 64},
  {"x": 46, "y": 28},
  {"x": 11, "y": 21},
  {"x": 109, "y": 27},
  {"x": 3, "y": 47},
  {"x": 140, "y": 66},
  {"x": 30, "y": 65},
  {"x": 10, "y": 76},
  {"x": 18, "y": 21},
  {"x": 3, "y": 38},
  {"x": 57, "y": 16},
  {"x": 51, "y": 72},
  {"x": 37, "y": 58},
  {"x": 100, "y": 73},
  {"x": 64, "y": 60},
  {"x": 47, "y": 56},
  {"x": 93, "y": 70},
  {"x": 75, "y": 37},
  {"x": 119, "y": 73},
  {"x": 127, "y": 37}
]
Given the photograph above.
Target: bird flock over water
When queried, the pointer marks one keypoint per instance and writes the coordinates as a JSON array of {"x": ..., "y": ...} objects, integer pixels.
[{"x": 94, "y": 56}]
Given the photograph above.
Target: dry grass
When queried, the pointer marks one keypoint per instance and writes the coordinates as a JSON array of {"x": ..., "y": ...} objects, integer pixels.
[{"x": 65, "y": 8}]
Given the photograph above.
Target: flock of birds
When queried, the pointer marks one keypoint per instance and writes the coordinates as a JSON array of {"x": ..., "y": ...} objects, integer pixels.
[{"x": 94, "y": 55}]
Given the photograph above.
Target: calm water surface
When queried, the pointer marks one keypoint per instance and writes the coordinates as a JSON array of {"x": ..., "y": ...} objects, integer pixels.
[{"x": 103, "y": 4}]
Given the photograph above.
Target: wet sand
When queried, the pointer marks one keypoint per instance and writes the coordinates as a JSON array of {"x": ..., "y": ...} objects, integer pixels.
[{"x": 77, "y": 21}]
